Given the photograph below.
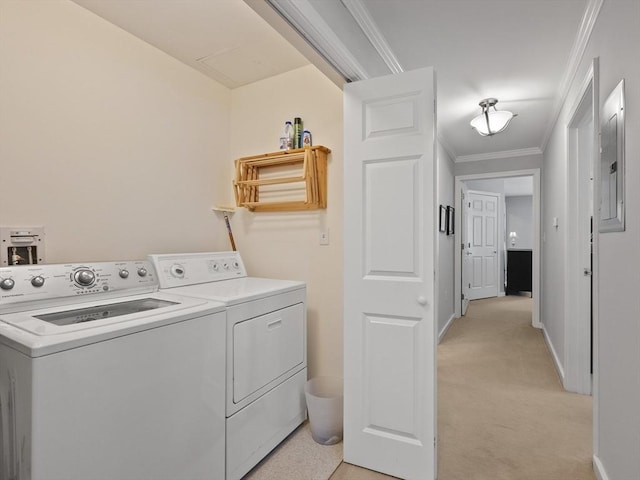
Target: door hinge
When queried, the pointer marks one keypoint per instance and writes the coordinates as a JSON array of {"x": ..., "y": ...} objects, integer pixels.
[
  {"x": 462, "y": 246},
  {"x": 462, "y": 296}
]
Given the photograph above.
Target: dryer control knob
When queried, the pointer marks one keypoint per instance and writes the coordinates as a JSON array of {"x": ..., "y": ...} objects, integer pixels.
[
  {"x": 7, "y": 283},
  {"x": 177, "y": 271},
  {"x": 84, "y": 277},
  {"x": 37, "y": 281},
  {"x": 142, "y": 272},
  {"x": 124, "y": 273}
]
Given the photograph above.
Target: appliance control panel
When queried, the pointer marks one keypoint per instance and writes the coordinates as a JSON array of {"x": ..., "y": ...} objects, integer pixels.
[
  {"x": 33, "y": 283},
  {"x": 182, "y": 269}
]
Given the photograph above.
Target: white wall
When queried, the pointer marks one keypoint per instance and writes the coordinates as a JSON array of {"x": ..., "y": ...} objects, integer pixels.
[
  {"x": 111, "y": 145},
  {"x": 615, "y": 41},
  {"x": 286, "y": 245},
  {"x": 445, "y": 247},
  {"x": 520, "y": 220}
]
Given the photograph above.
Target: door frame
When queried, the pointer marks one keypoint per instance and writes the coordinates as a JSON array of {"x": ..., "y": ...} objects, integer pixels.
[
  {"x": 577, "y": 332},
  {"x": 535, "y": 173}
]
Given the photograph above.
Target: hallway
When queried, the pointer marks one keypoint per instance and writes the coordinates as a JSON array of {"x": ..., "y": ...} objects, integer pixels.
[{"x": 502, "y": 411}]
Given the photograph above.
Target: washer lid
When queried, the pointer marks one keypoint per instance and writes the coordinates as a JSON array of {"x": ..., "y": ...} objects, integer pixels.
[
  {"x": 239, "y": 290},
  {"x": 48, "y": 330}
]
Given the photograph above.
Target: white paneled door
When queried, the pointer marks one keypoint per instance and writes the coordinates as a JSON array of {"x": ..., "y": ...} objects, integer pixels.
[
  {"x": 482, "y": 244},
  {"x": 389, "y": 237}
]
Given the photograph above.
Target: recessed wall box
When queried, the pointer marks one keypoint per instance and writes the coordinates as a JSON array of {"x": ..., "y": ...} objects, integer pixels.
[{"x": 21, "y": 246}]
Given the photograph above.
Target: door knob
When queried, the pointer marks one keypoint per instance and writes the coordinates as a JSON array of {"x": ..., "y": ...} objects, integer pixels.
[{"x": 422, "y": 300}]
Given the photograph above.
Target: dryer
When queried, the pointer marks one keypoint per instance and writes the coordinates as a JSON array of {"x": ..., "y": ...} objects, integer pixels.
[
  {"x": 266, "y": 348},
  {"x": 102, "y": 376}
]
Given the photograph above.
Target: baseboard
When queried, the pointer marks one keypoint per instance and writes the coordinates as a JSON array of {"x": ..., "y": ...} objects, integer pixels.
[
  {"x": 502, "y": 294},
  {"x": 599, "y": 470},
  {"x": 443, "y": 332},
  {"x": 554, "y": 355}
]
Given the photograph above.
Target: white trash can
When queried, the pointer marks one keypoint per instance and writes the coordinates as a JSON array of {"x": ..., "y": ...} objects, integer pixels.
[{"x": 324, "y": 404}]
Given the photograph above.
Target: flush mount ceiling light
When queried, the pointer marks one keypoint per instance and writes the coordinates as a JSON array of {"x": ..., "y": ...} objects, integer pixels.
[{"x": 491, "y": 122}]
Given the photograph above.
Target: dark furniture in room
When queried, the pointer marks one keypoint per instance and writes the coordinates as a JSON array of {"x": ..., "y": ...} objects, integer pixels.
[{"x": 519, "y": 270}]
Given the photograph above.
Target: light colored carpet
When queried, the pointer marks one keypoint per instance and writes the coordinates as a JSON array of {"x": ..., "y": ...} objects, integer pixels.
[
  {"x": 502, "y": 412},
  {"x": 299, "y": 458}
]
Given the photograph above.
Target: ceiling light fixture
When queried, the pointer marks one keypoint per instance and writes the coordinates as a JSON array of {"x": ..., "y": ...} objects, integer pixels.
[{"x": 491, "y": 122}]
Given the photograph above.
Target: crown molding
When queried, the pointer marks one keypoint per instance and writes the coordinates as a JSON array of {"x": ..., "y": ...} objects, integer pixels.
[
  {"x": 447, "y": 148},
  {"x": 523, "y": 152},
  {"x": 310, "y": 24},
  {"x": 274, "y": 18},
  {"x": 362, "y": 17},
  {"x": 577, "y": 52}
]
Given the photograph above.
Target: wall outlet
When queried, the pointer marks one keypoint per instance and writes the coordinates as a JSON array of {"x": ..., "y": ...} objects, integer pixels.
[{"x": 324, "y": 237}]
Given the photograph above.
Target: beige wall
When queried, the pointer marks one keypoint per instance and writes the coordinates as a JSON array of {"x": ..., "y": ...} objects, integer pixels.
[
  {"x": 286, "y": 245},
  {"x": 119, "y": 150},
  {"x": 108, "y": 143}
]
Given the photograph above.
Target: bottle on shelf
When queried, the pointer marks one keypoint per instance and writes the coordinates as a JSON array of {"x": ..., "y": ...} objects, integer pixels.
[
  {"x": 306, "y": 138},
  {"x": 297, "y": 132},
  {"x": 286, "y": 141}
]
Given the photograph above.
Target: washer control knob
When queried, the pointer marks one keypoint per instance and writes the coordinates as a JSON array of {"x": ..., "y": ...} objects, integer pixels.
[
  {"x": 236, "y": 265},
  {"x": 142, "y": 272},
  {"x": 177, "y": 270},
  {"x": 123, "y": 273},
  {"x": 37, "y": 281},
  {"x": 7, "y": 283},
  {"x": 84, "y": 277}
]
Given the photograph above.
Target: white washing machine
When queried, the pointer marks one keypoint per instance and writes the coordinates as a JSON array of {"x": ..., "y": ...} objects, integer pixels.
[
  {"x": 103, "y": 377},
  {"x": 266, "y": 348}
]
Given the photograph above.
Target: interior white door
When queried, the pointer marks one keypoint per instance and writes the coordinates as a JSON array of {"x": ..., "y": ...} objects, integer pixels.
[
  {"x": 482, "y": 245},
  {"x": 389, "y": 245},
  {"x": 466, "y": 254}
]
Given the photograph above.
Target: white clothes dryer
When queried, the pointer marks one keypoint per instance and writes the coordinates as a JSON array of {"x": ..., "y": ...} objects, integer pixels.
[
  {"x": 102, "y": 376},
  {"x": 266, "y": 348}
]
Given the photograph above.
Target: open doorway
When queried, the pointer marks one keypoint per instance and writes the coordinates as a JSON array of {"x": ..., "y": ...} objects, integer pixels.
[{"x": 527, "y": 239}]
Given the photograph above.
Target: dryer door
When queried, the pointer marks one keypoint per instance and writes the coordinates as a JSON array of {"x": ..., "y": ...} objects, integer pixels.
[{"x": 265, "y": 348}]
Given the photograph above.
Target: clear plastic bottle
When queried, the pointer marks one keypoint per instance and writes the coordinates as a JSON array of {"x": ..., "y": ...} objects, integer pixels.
[{"x": 286, "y": 141}]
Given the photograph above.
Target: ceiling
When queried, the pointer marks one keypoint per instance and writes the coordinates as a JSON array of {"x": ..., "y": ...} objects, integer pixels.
[
  {"x": 523, "y": 52},
  {"x": 224, "y": 39}
]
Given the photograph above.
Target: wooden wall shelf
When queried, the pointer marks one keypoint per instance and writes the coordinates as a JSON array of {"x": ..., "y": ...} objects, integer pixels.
[{"x": 257, "y": 180}]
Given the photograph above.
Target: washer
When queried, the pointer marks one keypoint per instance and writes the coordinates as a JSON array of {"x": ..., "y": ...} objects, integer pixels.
[
  {"x": 266, "y": 348},
  {"x": 103, "y": 376}
]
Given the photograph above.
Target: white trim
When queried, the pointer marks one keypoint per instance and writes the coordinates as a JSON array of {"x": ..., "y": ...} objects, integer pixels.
[
  {"x": 447, "y": 148},
  {"x": 577, "y": 330},
  {"x": 577, "y": 51},
  {"x": 537, "y": 236},
  {"x": 361, "y": 15},
  {"x": 523, "y": 152},
  {"x": 554, "y": 355},
  {"x": 295, "y": 38},
  {"x": 444, "y": 330},
  {"x": 306, "y": 20},
  {"x": 595, "y": 294},
  {"x": 502, "y": 294},
  {"x": 598, "y": 469}
]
